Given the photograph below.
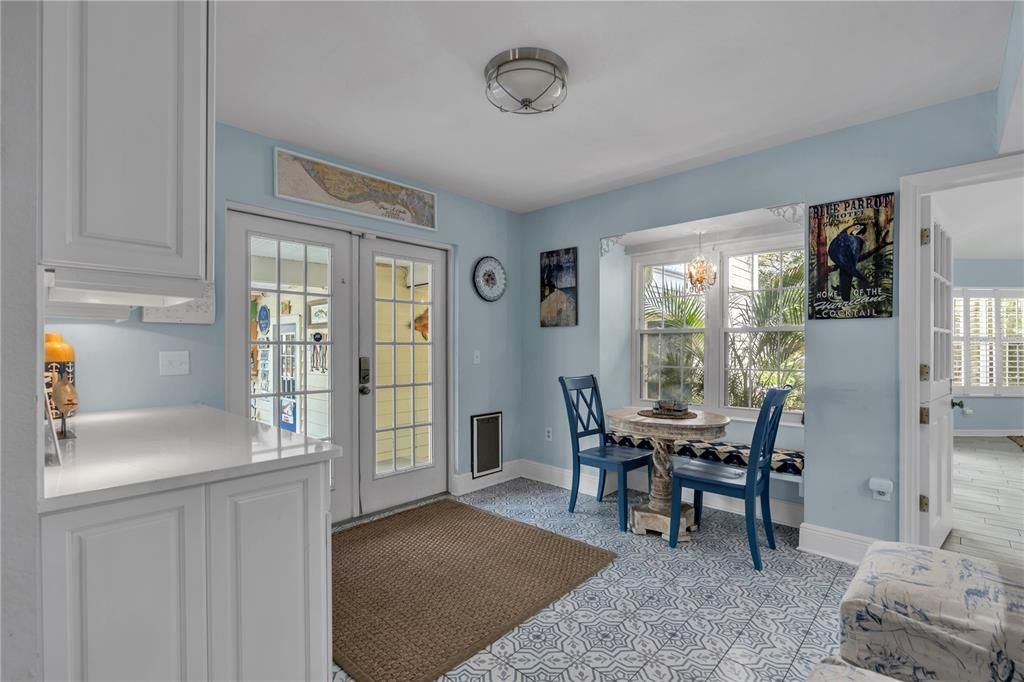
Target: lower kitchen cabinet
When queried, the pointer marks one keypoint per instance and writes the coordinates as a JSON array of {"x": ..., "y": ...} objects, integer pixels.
[
  {"x": 124, "y": 590},
  {"x": 269, "y": 591},
  {"x": 225, "y": 581}
]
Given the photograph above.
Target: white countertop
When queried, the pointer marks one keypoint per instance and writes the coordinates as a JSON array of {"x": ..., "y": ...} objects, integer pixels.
[{"x": 135, "y": 452}]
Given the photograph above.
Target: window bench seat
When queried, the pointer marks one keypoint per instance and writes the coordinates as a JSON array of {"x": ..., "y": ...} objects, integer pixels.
[{"x": 787, "y": 465}]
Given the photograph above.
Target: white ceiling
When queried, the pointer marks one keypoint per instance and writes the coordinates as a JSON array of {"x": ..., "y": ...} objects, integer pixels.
[
  {"x": 654, "y": 88},
  {"x": 985, "y": 221},
  {"x": 759, "y": 222}
]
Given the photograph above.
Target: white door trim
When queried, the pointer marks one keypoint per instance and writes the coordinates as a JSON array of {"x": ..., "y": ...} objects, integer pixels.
[
  {"x": 912, "y": 188},
  {"x": 452, "y": 389}
]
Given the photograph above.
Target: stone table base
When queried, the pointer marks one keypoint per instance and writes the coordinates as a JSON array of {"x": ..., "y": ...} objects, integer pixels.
[{"x": 643, "y": 519}]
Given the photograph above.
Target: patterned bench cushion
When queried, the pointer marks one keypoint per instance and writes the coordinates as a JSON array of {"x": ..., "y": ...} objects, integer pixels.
[
  {"x": 835, "y": 669},
  {"x": 919, "y": 613},
  {"x": 783, "y": 461}
]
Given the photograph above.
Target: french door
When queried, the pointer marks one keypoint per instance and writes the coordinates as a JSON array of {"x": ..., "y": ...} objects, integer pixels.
[
  {"x": 936, "y": 305},
  {"x": 341, "y": 338},
  {"x": 403, "y": 373}
]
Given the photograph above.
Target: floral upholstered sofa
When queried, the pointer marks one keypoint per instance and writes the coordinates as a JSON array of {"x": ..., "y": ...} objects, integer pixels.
[{"x": 919, "y": 613}]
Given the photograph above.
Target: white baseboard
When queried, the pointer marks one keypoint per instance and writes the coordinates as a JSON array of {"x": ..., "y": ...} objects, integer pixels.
[
  {"x": 834, "y": 544},
  {"x": 784, "y": 513},
  {"x": 463, "y": 484},
  {"x": 988, "y": 432}
]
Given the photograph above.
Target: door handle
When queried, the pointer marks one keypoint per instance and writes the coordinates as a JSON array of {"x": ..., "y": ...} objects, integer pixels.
[
  {"x": 364, "y": 369},
  {"x": 957, "y": 403},
  {"x": 364, "y": 389}
]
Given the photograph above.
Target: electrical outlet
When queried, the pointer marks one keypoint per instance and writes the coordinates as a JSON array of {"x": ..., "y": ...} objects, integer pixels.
[
  {"x": 173, "y": 363},
  {"x": 476, "y": 357},
  {"x": 547, "y": 433}
]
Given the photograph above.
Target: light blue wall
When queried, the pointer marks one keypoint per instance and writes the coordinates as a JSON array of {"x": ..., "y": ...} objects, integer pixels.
[
  {"x": 852, "y": 387},
  {"x": 613, "y": 320},
  {"x": 988, "y": 272},
  {"x": 118, "y": 362},
  {"x": 851, "y": 432},
  {"x": 990, "y": 413},
  {"x": 1013, "y": 59}
]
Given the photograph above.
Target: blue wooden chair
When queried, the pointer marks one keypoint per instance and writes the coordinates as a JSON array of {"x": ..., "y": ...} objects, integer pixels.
[
  {"x": 586, "y": 418},
  {"x": 733, "y": 481}
]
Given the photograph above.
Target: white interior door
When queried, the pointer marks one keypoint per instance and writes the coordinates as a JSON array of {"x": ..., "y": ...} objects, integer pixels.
[
  {"x": 402, "y": 373},
  {"x": 290, "y": 335},
  {"x": 936, "y": 306}
]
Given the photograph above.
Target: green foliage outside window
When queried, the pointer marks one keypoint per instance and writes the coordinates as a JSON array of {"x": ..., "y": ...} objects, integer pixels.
[{"x": 763, "y": 332}]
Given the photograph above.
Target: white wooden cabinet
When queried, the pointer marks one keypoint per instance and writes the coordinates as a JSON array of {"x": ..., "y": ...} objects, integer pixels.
[
  {"x": 229, "y": 580},
  {"x": 124, "y": 593},
  {"x": 127, "y": 142},
  {"x": 269, "y": 609}
]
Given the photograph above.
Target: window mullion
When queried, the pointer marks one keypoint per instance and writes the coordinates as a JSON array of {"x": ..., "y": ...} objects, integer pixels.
[
  {"x": 714, "y": 340},
  {"x": 968, "y": 375},
  {"x": 997, "y": 351}
]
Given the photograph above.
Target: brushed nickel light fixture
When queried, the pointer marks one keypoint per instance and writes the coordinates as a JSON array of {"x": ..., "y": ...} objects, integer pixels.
[{"x": 526, "y": 80}]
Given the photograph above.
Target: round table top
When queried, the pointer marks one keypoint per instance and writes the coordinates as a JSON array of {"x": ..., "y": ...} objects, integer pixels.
[{"x": 626, "y": 419}]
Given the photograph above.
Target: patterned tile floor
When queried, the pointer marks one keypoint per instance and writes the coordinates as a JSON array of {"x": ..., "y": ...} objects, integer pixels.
[{"x": 698, "y": 612}]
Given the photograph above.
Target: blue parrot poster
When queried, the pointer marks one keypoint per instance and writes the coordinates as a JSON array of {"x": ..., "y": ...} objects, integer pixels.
[{"x": 850, "y": 265}]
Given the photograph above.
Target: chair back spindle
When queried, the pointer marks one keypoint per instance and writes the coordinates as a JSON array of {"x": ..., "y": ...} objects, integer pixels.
[
  {"x": 583, "y": 408},
  {"x": 762, "y": 446}
]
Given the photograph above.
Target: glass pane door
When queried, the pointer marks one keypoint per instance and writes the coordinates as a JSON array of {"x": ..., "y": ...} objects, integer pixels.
[
  {"x": 403, "y": 345},
  {"x": 289, "y": 335},
  {"x": 402, "y": 404}
]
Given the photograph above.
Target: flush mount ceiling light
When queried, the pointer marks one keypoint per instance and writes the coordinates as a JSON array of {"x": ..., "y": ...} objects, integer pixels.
[{"x": 526, "y": 80}]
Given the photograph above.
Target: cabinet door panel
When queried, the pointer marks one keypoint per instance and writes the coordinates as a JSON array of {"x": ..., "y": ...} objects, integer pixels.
[
  {"x": 125, "y": 595},
  {"x": 124, "y": 144},
  {"x": 268, "y": 588}
]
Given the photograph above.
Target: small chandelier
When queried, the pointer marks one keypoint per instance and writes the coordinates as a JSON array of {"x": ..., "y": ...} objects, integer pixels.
[
  {"x": 526, "y": 80},
  {"x": 700, "y": 271}
]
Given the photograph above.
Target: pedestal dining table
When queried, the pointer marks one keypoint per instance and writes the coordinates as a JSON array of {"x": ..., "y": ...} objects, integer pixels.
[{"x": 663, "y": 432}]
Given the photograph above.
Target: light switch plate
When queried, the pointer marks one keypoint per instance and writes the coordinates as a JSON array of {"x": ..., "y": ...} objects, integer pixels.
[{"x": 173, "y": 363}]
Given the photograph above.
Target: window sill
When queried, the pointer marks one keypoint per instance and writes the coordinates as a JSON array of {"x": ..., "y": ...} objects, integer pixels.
[{"x": 789, "y": 419}]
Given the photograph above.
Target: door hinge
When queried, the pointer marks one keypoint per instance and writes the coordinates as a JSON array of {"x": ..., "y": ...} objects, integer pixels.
[
  {"x": 926, "y": 236},
  {"x": 922, "y": 502},
  {"x": 925, "y": 415},
  {"x": 926, "y": 372}
]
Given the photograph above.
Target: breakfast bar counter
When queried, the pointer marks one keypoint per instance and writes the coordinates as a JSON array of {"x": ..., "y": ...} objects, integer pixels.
[
  {"x": 126, "y": 453},
  {"x": 186, "y": 543}
]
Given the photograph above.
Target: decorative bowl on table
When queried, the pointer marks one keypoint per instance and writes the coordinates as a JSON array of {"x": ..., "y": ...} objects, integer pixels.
[{"x": 671, "y": 408}]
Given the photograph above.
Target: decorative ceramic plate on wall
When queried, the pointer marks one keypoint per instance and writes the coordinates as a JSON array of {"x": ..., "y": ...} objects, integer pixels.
[{"x": 489, "y": 278}]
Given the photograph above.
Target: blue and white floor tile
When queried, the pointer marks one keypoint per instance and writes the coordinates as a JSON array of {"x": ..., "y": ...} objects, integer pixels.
[{"x": 699, "y": 612}]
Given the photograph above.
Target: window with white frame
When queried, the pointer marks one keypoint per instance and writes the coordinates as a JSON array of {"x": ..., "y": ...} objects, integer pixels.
[
  {"x": 764, "y": 327},
  {"x": 988, "y": 341},
  {"x": 725, "y": 348},
  {"x": 671, "y": 335}
]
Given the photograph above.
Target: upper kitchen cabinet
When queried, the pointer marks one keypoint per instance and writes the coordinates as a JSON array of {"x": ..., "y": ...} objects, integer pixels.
[{"x": 127, "y": 148}]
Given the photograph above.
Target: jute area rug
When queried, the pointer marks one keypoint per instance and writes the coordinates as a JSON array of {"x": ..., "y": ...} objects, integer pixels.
[{"x": 419, "y": 592}]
